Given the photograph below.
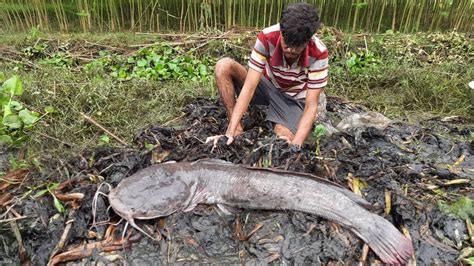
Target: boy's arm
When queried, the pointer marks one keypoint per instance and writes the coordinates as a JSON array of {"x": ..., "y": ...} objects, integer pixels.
[
  {"x": 308, "y": 117},
  {"x": 243, "y": 101}
]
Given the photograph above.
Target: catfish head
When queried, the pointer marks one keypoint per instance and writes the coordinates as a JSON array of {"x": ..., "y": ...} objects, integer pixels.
[{"x": 154, "y": 192}]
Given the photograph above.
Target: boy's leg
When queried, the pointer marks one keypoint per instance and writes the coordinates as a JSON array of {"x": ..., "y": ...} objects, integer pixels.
[
  {"x": 229, "y": 74},
  {"x": 230, "y": 77}
]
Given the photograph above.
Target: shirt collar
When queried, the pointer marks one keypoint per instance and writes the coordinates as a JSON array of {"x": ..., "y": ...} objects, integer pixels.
[{"x": 277, "y": 56}]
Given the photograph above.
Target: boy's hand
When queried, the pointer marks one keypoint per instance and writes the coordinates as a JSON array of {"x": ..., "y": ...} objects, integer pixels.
[{"x": 214, "y": 140}]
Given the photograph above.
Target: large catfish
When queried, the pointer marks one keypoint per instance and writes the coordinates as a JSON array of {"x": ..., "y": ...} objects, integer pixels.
[{"x": 163, "y": 189}]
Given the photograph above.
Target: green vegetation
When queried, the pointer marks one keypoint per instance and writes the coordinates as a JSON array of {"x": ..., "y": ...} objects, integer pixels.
[
  {"x": 403, "y": 74},
  {"x": 16, "y": 119},
  {"x": 126, "y": 82},
  {"x": 462, "y": 208},
  {"x": 49, "y": 189},
  {"x": 159, "y": 62},
  {"x": 318, "y": 132},
  {"x": 194, "y": 15}
]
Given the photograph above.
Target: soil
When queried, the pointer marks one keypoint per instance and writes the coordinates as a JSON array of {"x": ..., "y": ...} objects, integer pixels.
[{"x": 416, "y": 164}]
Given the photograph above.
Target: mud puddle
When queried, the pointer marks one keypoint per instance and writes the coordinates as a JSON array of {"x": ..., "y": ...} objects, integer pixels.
[{"x": 404, "y": 170}]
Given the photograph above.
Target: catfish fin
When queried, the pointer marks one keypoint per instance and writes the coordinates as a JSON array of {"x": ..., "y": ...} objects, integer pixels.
[
  {"x": 212, "y": 161},
  {"x": 227, "y": 210},
  {"x": 200, "y": 196}
]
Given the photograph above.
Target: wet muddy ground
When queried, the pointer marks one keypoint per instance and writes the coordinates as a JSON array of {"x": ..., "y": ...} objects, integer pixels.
[{"x": 416, "y": 166}]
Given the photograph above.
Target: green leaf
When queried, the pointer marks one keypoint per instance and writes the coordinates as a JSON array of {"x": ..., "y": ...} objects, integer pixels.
[
  {"x": 83, "y": 13},
  {"x": 40, "y": 193},
  {"x": 149, "y": 146},
  {"x": 34, "y": 32},
  {"x": 12, "y": 121},
  {"x": 28, "y": 117},
  {"x": 319, "y": 131},
  {"x": 142, "y": 63},
  {"x": 4, "y": 100},
  {"x": 104, "y": 139},
  {"x": 58, "y": 205},
  {"x": 202, "y": 70},
  {"x": 5, "y": 139},
  {"x": 16, "y": 105},
  {"x": 53, "y": 186},
  {"x": 122, "y": 74},
  {"x": 167, "y": 50},
  {"x": 351, "y": 62},
  {"x": 360, "y": 5},
  {"x": 2, "y": 76},
  {"x": 13, "y": 85},
  {"x": 7, "y": 110},
  {"x": 50, "y": 109}
]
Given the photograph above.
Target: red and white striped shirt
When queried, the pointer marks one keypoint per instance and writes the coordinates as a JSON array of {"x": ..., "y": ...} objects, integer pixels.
[{"x": 310, "y": 71}]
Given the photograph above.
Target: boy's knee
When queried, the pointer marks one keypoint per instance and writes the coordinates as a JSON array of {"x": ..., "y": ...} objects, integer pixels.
[
  {"x": 223, "y": 66},
  {"x": 283, "y": 132}
]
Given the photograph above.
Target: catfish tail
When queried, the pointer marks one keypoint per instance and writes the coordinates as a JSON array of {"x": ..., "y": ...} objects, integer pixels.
[{"x": 386, "y": 241}]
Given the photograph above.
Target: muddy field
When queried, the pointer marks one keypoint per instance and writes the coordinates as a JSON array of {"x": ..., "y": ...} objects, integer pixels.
[{"x": 404, "y": 170}]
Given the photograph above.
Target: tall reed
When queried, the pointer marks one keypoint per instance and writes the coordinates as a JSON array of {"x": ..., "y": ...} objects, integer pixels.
[{"x": 192, "y": 15}]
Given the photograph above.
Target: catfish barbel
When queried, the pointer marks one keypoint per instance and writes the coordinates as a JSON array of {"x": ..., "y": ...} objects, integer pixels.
[{"x": 163, "y": 189}]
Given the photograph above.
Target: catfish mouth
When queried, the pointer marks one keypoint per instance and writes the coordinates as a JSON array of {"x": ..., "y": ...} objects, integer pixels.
[
  {"x": 122, "y": 213},
  {"x": 133, "y": 214}
]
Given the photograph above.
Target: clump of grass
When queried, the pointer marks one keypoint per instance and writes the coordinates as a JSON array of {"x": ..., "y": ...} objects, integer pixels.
[
  {"x": 122, "y": 107},
  {"x": 409, "y": 75}
]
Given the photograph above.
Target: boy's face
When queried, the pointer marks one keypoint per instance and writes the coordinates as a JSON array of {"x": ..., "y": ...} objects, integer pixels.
[{"x": 291, "y": 53}]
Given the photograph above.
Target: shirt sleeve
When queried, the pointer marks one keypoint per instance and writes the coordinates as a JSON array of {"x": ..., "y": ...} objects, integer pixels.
[
  {"x": 260, "y": 53},
  {"x": 318, "y": 70}
]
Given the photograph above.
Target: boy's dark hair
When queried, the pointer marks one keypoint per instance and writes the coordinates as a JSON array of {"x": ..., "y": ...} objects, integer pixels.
[{"x": 298, "y": 23}]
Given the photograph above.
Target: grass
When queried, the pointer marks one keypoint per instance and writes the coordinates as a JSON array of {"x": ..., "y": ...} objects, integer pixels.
[
  {"x": 403, "y": 75},
  {"x": 407, "y": 74},
  {"x": 122, "y": 107}
]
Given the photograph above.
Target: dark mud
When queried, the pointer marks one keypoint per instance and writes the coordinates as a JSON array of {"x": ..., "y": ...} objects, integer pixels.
[{"x": 414, "y": 163}]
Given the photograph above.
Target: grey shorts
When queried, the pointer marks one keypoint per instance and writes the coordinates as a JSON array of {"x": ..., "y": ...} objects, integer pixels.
[{"x": 282, "y": 108}]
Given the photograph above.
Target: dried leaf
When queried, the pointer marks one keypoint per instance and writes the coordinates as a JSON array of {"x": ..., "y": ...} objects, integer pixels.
[
  {"x": 457, "y": 182},
  {"x": 388, "y": 201}
]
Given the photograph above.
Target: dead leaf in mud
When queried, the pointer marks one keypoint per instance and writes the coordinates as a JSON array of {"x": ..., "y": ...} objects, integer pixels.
[
  {"x": 365, "y": 253},
  {"x": 310, "y": 229},
  {"x": 470, "y": 230},
  {"x": 84, "y": 251},
  {"x": 412, "y": 261},
  {"x": 192, "y": 242},
  {"x": 159, "y": 156},
  {"x": 466, "y": 252},
  {"x": 454, "y": 167},
  {"x": 276, "y": 239},
  {"x": 5, "y": 199},
  {"x": 273, "y": 257},
  {"x": 75, "y": 198},
  {"x": 240, "y": 235},
  {"x": 355, "y": 184},
  {"x": 388, "y": 201},
  {"x": 12, "y": 178},
  {"x": 457, "y": 182}
]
